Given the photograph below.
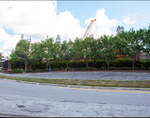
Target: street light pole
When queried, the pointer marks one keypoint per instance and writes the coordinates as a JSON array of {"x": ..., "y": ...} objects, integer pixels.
[{"x": 49, "y": 64}]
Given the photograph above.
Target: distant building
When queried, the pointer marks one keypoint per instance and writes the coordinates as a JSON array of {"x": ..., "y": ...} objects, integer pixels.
[
  {"x": 119, "y": 29},
  {"x": 22, "y": 37},
  {"x": 58, "y": 39},
  {"x": 145, "y": 56}
]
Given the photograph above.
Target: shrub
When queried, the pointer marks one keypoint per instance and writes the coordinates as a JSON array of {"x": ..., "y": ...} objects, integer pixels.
[
  {"x": 68, "y": 68},
  {"x": 100, "y": 63},
  {"x": 16, "y": 71},
  {"x": 92, "y": 63},
  {"x": 112, "y": 63},
  {"x": 104, "y": 67},
  {"x": 120, "y": 62},
  {"x": 37, "y": 65},
  {"x": 138, "y": 63},
  {"x": 1, "y": 70},
  {"x": 30, "y": 70},
  {"x": 111, "y": 68},
  {"x": 76, "y": 69},
  {"x": 38, "y": 70},
  {"x": 45, "y": 69},
  {"x": 62, "y": 68},
  {"x": 127, "y": 62},
  {"x": 85, "y": 68},
  {"x": 146, "y": 64},
  {"x": 81, "y": 64},
  {"x": 75, "y": 64},
  {"x": 55, "y": 69}
]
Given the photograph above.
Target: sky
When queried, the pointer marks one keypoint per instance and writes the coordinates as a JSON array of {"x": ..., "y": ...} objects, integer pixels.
[{"x": 69, "y": 19}]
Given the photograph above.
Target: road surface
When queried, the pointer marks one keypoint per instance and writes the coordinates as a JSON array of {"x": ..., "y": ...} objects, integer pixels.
[
  {"x": 124, "y": 76},
  {"x": 40, "y": 100}
]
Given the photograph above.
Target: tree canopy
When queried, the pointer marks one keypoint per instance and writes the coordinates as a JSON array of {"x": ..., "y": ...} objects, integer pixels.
[{"x": 128, "y": 43}]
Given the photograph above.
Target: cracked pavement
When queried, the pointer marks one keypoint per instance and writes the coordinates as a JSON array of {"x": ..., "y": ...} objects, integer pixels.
[
  {"x": 48, "y": 108},
  {"x": 22, "y": 99}
]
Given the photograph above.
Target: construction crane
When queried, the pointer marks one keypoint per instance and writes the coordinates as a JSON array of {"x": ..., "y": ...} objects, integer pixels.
[{"x": 88, "y": 29}]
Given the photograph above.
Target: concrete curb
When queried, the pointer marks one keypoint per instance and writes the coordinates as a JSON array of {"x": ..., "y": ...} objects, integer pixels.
[{"x": 78, "y": 86}]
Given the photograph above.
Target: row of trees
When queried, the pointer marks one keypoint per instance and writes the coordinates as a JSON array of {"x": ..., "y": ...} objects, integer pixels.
[
  {"x": 1, "y": 56},
  {"x": 129, "y": 43}
]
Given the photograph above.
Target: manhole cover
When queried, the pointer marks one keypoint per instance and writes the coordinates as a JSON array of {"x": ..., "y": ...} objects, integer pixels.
[
  {"x": 20, "y": 106},
  {"x": 35, "y": 108}
]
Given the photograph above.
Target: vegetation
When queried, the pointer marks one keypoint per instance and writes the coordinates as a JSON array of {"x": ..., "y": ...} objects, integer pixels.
[
  {"x": 111, "y": 83},
  {"x": 22, "y": 52},
  {"x": 100, "y": 53},
  {"x": 16, "y": 71},
  {"x": 1, "y": 56}
]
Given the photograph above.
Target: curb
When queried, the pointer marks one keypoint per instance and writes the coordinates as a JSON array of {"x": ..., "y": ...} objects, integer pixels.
[{"x": 78, "y": 86}]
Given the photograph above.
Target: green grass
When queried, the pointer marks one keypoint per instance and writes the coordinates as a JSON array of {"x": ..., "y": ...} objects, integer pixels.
[{"x": 109, "y": 83}]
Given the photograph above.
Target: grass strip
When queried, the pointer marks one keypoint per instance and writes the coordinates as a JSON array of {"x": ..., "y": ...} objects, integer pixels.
[{"x": 109, "y": 83}]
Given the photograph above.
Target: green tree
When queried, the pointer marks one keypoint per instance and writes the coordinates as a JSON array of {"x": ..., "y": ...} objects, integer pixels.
[
  {"x": 120, "y": 43},
  {"x": 66, "y": 52},
  {"x": 57, "y": 51},
  {"x": 146, "y": 40},
  {"x": 87, "y": 48},
  {"x": 36, "y": 52},
  {"x": 134, "y": 44},
  {"x": 94, "y": 47},
  {"x": 1, "y": 56},
  {"x": 21, "y": 52},
  {"x": 49, "y": 50},
  {"x": 77, "y": 49},
  {"x": 106, "y": 48}
]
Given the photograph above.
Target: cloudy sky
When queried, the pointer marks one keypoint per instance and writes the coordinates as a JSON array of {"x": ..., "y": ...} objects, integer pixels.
[{"x": 69, "y": 19}]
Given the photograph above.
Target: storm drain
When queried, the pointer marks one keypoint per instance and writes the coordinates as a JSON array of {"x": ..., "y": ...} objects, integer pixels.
[
  {"x": 73, "y": 101},
  {"x": 20, "y": 106},
  {"x": 34, "y": 107}
]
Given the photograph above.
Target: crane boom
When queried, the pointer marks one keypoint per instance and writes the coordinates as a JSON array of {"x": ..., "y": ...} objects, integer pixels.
[{"x": 88, "y": 29}]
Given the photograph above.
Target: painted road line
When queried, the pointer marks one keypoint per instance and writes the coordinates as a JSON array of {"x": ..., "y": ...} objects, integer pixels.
[{"x": 108, "y": 90}]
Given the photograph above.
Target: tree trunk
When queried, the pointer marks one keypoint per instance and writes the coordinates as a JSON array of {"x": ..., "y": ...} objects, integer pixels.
[
  {"x": 25, "y": 65},
  {"x": 107, "y": 64},
  {"x": 67, "y": 64},
  {"x": 132, "y": 63},
  {"x": 94, "y": 61},
  {"x": 86, "y": 62},
  {"x": 46, "y": 65}
]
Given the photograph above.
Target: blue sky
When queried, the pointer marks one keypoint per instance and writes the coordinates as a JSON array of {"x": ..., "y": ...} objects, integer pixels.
[
  {"x": 69, "y": 19},
  {"x": 83, "y": 10}
]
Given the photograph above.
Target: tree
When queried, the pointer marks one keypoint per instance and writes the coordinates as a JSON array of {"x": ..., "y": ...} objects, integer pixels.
[
  {"x": 49, "y": 51},
  {"x": 120, "y": 43},
  {"x": 106, "y": 48},
  {"x": 146, "y": 40},
  {"x": 1, "y": 56},
  {"x": 36, "y": 51},
  {"x": 77, "y": 49},
  {"x": 87, "y": 48},
  {"x": 57, "y": 51},
  {"x": 94, "y": 47},
  {"x": 134, "y": 41},
  {"x": 22, "y": 52},
  {"x": 66, "y": 52}
]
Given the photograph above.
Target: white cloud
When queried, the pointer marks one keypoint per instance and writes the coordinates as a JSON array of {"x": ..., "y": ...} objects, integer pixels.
[
  {"x": 102, "y": 25},
  {"x": 35, "y": 19},
  {"x": 131, "y": 19}
]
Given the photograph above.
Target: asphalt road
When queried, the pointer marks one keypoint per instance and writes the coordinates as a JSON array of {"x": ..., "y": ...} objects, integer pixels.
[
  {"x": 40, "y": 100},
  {"x": 126, "y": 76}
]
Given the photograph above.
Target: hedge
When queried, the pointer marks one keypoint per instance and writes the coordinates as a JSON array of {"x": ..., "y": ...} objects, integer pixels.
[
  {"x": 99, "y": 64},
  {"x": 17, "y": 71}
]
